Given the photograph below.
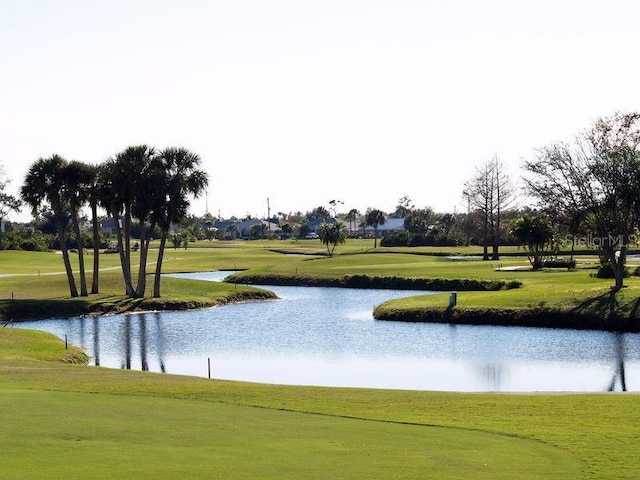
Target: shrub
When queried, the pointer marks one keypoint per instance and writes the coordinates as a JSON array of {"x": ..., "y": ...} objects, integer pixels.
[
  {"x": 606, "y": 271},
  {"x": 559, "y": 263}
]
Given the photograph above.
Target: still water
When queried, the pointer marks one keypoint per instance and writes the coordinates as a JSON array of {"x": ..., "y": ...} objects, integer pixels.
[{"x": 327, "y": 336}]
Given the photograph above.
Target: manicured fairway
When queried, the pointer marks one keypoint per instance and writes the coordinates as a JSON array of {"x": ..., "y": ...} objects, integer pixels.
[
  {"x": 78, "y": 435},
  {"x": 67, "y": 421}
]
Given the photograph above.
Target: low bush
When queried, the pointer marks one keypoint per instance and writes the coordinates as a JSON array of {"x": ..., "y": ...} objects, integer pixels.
[
  {"x": 606, "y": 271},
  {"x": 559, "y": 263}
]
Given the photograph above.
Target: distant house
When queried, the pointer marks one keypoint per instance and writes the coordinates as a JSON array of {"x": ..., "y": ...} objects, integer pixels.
[
  {"x": 314, "y": 225},
  {"x": 245, "y": 227},
  {"x": 391, "y": 225},
  {"x": 108, "y": 226},
  {"x": 230, "y": 230},
  {"x": 226, "y": 229}
]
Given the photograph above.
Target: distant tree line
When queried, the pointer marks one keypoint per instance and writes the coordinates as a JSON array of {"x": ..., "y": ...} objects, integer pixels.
[{"x": 584, "y": 193}]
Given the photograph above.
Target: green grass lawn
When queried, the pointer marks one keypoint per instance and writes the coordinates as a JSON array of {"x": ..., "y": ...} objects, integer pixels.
[
  {"x": 62, "y": 420},
  {"x": 39, "y": 275}
]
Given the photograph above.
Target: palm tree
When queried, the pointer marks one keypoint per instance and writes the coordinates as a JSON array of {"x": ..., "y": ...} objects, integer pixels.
[
  {"x": 182, "y": 178},
  {"x": 232, "y": 229},
  {"x": 332, "y": 234},
  {"x": 375, "y": 218},
  {"x": 149, "y": 197},
  {"x": 112, "y": 199},
  {"x": 44, "y": 182},
  {"x": 94, "y": 200},
  {"x": 353, "y": 219},
  {"x": 128, "y": 191},
  {"x": 78, "y": 178}
]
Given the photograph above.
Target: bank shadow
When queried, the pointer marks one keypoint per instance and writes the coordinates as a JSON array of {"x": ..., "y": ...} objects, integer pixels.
[
  {"x": 602, "y": 306},
  {"x": 603, "y": 312}
]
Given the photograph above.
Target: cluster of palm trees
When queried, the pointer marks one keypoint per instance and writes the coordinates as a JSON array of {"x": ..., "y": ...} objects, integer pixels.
[{"x": 140, "y": 183}]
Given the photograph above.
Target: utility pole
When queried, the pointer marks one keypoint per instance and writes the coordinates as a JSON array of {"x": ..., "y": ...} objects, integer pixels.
[{"x": 269, "y": 217}]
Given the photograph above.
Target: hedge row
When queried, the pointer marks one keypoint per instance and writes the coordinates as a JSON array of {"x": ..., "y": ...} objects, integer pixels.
[{"x": 376, "y": 282}]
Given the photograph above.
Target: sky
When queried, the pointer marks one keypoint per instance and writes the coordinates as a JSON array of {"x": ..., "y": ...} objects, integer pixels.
[{"x": 292, "y": 104}]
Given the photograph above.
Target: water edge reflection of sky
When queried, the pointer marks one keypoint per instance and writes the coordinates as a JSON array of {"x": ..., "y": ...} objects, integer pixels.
[{"x": 327, "y": 336}]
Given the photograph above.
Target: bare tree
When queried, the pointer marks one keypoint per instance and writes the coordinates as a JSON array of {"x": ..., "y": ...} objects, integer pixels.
[
  {"x": 596, "y": 179},
  {"x": 489, "y": 193},
  {"x": 8, "y": 203},
  {"x": 405, "y": 205}
]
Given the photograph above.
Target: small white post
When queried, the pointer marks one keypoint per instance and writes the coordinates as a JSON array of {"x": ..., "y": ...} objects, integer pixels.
[{"x": 453, "y": 298}]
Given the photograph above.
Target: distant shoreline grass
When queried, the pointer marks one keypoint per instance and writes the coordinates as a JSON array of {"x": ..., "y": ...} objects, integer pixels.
[{"x": 503, "y": 292}]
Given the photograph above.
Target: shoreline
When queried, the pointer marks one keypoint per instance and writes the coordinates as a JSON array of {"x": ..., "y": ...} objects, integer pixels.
[
  {"x": 510, "y": 317},
  {"x": 18, "y": 310},
  {"x": 532, "y": 317},
  {"x": 613, "y": 320}
]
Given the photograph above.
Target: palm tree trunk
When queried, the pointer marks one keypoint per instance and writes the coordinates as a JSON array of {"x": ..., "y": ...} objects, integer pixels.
[
  {"x": 65, "y": 258},
  {"x": 83, "y": 276},
  {"x": 96, "y": 248},
  {"x": 142, "y": 269},
  {"x": 126, "y": 270},
  {"x": 127, "y": 243},
  {"x": 158, "y": 274}
]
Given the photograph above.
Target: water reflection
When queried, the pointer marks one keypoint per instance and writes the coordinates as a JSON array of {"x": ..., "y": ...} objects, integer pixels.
[
  {"x": 96, "y": 341},
  {"x": 619, "y": 374},
  {"x": 135, "y": 342},
  {"x": 321, "y": 336},
  {"x": 492, "y": 374}
]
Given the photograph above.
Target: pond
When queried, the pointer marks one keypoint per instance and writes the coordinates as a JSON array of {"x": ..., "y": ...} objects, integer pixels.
[{"x": 327, "y": 336}]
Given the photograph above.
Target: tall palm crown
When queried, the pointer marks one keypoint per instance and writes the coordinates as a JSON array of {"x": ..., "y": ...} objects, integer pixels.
[
  {"x": 45, "y": 182},
  {"x": 182, "y": 178}
]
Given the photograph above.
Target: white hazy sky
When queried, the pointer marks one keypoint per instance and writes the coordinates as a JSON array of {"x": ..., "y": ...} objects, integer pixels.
[{"x": 302, "y": 102}]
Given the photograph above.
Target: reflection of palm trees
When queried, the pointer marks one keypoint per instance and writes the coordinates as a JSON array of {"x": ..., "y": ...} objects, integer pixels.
[
  {"x": 493, "y": 374},
  {"x": 619, "y": 373},
  {"x": 96, "y": 341},
  {"x": 127, "y": 342},
  {"x": 160, "y": 341},
  {"x": 127, "y": 339},
  {"x": 143, "y": 341}
]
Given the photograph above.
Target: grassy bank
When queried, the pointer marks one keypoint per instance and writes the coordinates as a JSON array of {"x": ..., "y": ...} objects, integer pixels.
[
  {"x": 505, "y": 292},
  {"x": 105, "y": 423},
  {"x": 41, "y": 289},
  {"x": 552, "y": 297}
]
